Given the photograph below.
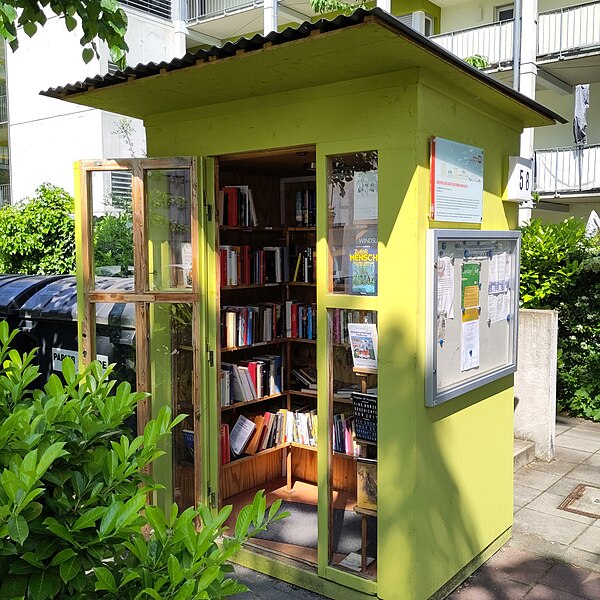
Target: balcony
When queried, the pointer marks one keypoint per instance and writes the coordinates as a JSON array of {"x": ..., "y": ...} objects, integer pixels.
[
  {"x": 568, "y": 31},
  {"x": 4, "y": 194},
  {"x": 568, "y": 171},
  {"x": 204, "y": 10},
  {"x": 158, "y": 8},
  {"x": 212, "y": 21},
  {"x": 494, "y": 42},
  {"x": 564, "y": 33}
]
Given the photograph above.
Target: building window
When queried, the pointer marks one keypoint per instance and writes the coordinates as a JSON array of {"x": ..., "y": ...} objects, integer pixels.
[{"x": 505, "y": 12}]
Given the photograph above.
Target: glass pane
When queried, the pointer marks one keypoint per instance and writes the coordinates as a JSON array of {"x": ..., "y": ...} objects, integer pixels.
[
  {"x": 112, "y": 230},
  {"x": 169, "y": 228},
  {"x": 171, "y": 355},
  {"x": 115, "y": 343},
  {"x": 353, "y": 461},
  {"x": 352, "y": 223}
]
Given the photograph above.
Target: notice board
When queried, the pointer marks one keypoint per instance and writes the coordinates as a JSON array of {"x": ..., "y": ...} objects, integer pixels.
[{"x": 473, "y": 298}]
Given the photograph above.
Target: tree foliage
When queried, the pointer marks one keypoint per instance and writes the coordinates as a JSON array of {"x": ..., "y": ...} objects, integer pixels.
[
  {"x": 37, "y": 236},
  {"x": 560, "y": 269},
  {"x": 99, "y": 19}
]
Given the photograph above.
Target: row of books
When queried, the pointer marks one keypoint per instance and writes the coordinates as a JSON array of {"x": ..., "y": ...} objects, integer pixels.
[
  {"x": 304, "y": 265},
  {"x": 344, "y": 434},
  {"x": 241, "y": 265},
  {"x": 272, "y": 429},
  {"x": 251, "y": 379},
  {"x": 244, "y": 265},
  {"x": 306, "y": 208},
  {"x": 306, "y": 378},
  {"x": 342, "y": 316},
  {"x": 236, "y": 207},
  {"x": 247, "y": 325}
]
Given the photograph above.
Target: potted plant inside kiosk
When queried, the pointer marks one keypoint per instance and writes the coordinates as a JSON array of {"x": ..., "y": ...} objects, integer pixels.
[{"x": 73, "y": 496}]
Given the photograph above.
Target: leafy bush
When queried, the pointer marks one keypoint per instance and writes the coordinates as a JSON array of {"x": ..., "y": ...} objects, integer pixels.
[
  {"x": 37, "y": 236},
  {"x": 113, "y": 242},
  {"x": 73, "y": 495},
  {"x": 551, "y": 261},
  {"x": 478, "y": 61},
  {"x": 560, "y": 270}
]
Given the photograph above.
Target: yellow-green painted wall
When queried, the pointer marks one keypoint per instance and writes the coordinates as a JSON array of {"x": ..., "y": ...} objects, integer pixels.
[{"x": 445, "y": 474}]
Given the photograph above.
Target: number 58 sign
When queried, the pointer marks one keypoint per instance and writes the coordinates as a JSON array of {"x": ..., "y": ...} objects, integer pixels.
[{"x": 520, "y": 179}]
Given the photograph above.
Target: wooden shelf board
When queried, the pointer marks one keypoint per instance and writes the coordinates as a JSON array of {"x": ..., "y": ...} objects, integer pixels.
[
  {"x": 304, "y": 394},
  {"x": 249, "y": 228},
  {"x": 301, "y": 340},
  {"x": 302, "y": 283},
  {"x": 250, "y": 286},
  {"x": 305, "y": 228},
  {"x": 184, "y": 347},
  {"x": 258, "y": 400},
  {"x": 249, "y": 457}
]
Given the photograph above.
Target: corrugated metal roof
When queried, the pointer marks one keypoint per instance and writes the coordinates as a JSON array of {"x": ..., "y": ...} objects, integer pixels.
[{"x": 257, "y": 42}]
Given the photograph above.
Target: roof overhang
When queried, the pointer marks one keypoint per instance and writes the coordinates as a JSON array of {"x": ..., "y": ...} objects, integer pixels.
[{"x": 363, "y": 44}]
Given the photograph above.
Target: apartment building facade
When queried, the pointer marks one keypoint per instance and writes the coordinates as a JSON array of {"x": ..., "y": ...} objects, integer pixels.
[{"x": 559, "y": 48}]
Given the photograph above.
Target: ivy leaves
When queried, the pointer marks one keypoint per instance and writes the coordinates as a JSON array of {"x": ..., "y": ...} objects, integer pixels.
[{"x": 100, "y": 20}]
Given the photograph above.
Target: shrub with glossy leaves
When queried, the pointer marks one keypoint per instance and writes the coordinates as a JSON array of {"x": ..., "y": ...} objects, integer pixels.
[{"x": 73, "y": 495}]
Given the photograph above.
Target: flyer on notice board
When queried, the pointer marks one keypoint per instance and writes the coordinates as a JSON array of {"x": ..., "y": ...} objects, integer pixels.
[{"x": 363, "y": 341}]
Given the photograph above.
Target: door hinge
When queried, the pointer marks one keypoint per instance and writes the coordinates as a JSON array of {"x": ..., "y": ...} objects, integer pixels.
[
  {"x": 208, "y": 207},
  {"x": 211, "y": 358},
  {"x": 212, "y": 499}
]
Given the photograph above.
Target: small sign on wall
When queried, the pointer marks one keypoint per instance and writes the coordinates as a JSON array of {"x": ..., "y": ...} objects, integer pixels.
[{"x": 520, "y": 179}]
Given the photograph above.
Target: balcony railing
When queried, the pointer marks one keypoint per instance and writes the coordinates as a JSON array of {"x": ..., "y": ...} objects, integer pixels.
[
  {"x": 4, "y": 194},
  {"x": 199, "y": 10},
  {"x": 571, "y": 170},
  {"x": 3, "y": 109},
  {"x": 494, "y": 42},
  {"x": 569, "y": 30},
  {"x": 158, "y": 8}
]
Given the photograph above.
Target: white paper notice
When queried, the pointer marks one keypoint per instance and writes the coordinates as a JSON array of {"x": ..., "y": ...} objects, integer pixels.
[
  {"x": 470, "y": 345},
  {"x": 365, "y": 196},
  {"x": 499, "y": 287},
  {"x": 445, "y": 286}
]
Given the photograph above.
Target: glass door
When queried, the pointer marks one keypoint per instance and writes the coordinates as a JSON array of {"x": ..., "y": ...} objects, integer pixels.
[{"x": 140, "y": 297}]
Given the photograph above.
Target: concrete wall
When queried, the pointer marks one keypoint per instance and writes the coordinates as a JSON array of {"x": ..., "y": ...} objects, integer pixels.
[{"x": 535, "y": 380}]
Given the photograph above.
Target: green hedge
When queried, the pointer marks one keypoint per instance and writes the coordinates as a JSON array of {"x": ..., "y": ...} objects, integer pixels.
[{"x": 560, "y": 269}]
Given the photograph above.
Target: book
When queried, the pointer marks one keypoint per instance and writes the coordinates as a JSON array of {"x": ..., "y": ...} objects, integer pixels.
[
  {"x": 240, "y": 434},
  {"x": 252, "y": 447},
  {"x": 363, "y": 341},
  {"x": 225, "y": 449},
  {"x": 188, "y": 440}
]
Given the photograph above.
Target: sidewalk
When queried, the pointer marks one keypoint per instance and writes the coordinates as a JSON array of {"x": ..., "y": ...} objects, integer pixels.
[{"x": 553, "y": 554}]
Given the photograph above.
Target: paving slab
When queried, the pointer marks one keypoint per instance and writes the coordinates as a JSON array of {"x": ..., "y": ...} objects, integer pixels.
[
  {"x": 564, "y": 486},
  {"x": 537, "y": 545},
  {"x": 537, "y": 480},
  {"x": 518, "y": 565},
  {"x": 555, "y": 467},
  {"x": 572, "y": 579},
  {"x": 593, "y": 460},
  {"x": 586, "y": 433},
  {"x": 543, "y": 592},
  {"x": 482, "y": 587},
  {"x": 583, "y": 559},
  {"x": 549, "y": 527},
  {"x": 566, "y": 440},
  {"x": 523, "y": 495},
  {"x": 571, "y": 455},
  {"x": 547, "y": 503},
  {"x": 586, "y": 473},
  {"x": 588, "y": 540}
]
